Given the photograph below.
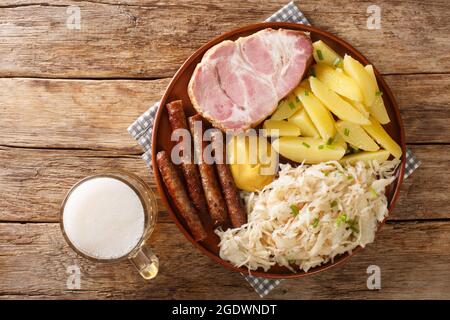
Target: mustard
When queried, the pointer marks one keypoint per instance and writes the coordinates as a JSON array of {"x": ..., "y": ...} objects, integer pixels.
[{"x": 252, "y": 170}]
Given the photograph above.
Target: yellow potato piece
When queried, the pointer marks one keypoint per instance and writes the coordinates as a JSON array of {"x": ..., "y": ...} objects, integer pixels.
[
  {"x": 309, "y": 150},
  {"x": 377, "y": 109},
  {"x": 305, "y": 84},
  {"x": 274, "y": 128},
  {"x": 358, "y": 106},
  {"x": 335, "y": 103},
  {"x": 323, "y": 53},
  {"x": 304, "y": 122},
  {"x": 366, "y": 156},
  {"x": 338, "y": 140},
  {"x": 377, "y": 132},
  {"x": 356, "y": 71},
  {"x": 339, "y": 82},
  {"x": 286, "y": 108},
  {"x": 320, "y": 116},
  {"x": 356, "y": 136}
]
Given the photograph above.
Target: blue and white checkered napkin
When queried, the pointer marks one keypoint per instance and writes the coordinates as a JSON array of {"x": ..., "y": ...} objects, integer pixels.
[{"x": 141, "y": 130}]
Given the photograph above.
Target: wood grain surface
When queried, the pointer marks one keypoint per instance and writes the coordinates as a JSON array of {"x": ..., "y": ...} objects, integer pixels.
[
  {"x": 150, "y": 39},
  {"x": 67, "y": 97},
  {"x": 34, "y": 181},
  {"x": 92, "y": 114},
  {"x": 408, "y": 254}
]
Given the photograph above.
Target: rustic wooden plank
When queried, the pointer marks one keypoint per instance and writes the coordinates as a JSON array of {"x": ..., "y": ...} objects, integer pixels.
[
  {"x": 74, "y": 114},
  {"x": 95, "y": 114},
  {"x": 424, "y": 102},
  {"x": 413, "y": 258},
  {"x": 424, "y": 195},
  {"x": 151, "y": 39},
  {"x": 33, "y": 182}
]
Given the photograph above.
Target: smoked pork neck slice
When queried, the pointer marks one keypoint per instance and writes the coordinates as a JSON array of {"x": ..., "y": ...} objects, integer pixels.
[{"x": 239, "y": 83}]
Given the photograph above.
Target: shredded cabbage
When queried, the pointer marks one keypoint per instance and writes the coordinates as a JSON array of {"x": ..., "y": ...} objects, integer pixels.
[{"x": 339, "y": 208}]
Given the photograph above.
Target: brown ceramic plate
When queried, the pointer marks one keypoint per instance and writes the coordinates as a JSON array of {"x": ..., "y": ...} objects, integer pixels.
[{"x": 177, "y": 89}]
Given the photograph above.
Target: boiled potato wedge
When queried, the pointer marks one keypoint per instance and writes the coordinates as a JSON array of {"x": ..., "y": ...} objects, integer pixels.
[
  {"x": 335, "y": 103},
  {"x": 275, "y": 128},
  {"x": 339, "y": 82},
  {"x": 358, "y": 106},
  {"x": 305, "y": 84},
  {"x": 356, "y": 136},
  {"x": 309, "y": 150},
  {"x": 356, "y": 71},
  {"x": 320, "y": 116},
  {"x": 377, "y": 132},
  {"x": 323, "y": 53},
  {"x": 286, "y": 108},
  {"x": 304, "y": 122},
  {"x": 338, "y": 140},
  {"x": 366, "y": 156},
  {"x": 377, "y": 109}
]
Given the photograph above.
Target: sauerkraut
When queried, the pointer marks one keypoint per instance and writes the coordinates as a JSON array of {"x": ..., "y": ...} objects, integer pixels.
[{"x": 309, "y": 215}]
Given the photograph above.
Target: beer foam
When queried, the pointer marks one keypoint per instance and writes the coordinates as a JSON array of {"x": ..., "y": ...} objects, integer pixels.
[{"x": 104, "y": 218}]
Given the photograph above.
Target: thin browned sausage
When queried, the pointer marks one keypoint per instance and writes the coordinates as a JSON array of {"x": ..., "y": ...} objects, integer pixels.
[
  {"x": 236, "y": 211},
  {"x": 214, "y": 198},
  {"x": 177, "y": 120},
  {"x": 178, "y": 194}
]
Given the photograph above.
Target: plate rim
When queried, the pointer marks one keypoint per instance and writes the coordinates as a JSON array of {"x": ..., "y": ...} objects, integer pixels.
[{"x": 200, "y": 51}]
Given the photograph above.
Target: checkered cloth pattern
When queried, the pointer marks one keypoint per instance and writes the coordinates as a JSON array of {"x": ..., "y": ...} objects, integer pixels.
[{"x": 141, "y": 131}]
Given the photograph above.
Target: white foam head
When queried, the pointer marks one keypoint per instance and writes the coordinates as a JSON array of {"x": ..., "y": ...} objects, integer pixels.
[{"x": 104, "y": 218}]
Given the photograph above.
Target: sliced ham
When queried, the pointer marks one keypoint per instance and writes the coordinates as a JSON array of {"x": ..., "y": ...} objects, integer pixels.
[{"x": 239, "y": 83}]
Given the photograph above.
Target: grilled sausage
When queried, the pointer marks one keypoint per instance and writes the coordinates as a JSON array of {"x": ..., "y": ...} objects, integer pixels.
[
  {"x": 214, "y": 198},
  {"x": 178, "y": 194},
  {"x": 177, "y": 120},
  {"x": 236, "y": 211}
]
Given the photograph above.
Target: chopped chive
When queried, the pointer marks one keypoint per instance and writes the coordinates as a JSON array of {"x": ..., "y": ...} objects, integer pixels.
[
  {"x": 346, "y": 132},
  {"x": 306, "y": 145},
  {"x": 352, "y": 225},
  {"x": 333, "y": 204},
  {"x": 297, "y": 99},
  {"x": 373, "y": 192},
  {"x": 315, "y": 222},
  {"x": 336, "y": 62},
  {"x": 306, "y": 93},
  {"x": 329, "y": 141},
  {"x": 319, "y": 54},
  {"x": 294, "y": 210},
  {"x": 329, "y": 146},
  {"x": 291, "y": 105},
  {"x": 350, "y": 177},
  {"x": 378, "y": 93},
  {"x": 341, "y": 218},
  {"x": 321, "y": 147}
]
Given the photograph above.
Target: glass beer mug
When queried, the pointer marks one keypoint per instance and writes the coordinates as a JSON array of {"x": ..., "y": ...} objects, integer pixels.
[{"x": 109, "y": 217}]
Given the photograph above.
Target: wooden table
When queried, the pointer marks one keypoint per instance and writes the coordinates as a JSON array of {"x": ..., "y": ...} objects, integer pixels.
[{"x": 68, "y": 96}]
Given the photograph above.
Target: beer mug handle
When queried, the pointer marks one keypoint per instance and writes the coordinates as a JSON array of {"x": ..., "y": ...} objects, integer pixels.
[{"x": 145, "y": 262}]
